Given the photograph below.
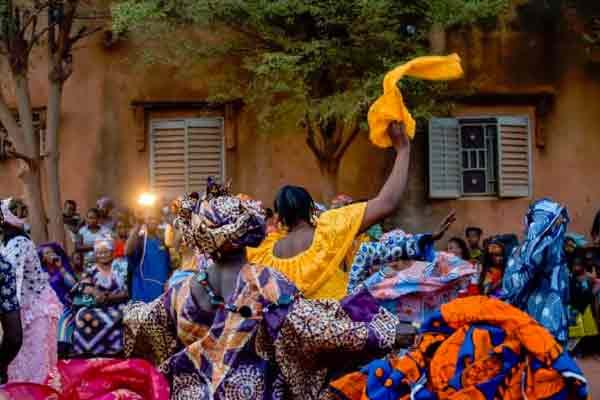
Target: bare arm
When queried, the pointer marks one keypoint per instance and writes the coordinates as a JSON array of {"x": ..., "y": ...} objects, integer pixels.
[
  {"x": 108, "y": 298},
  {"x": 132, "y": 240},
  {"x": 388, "y": 199}
]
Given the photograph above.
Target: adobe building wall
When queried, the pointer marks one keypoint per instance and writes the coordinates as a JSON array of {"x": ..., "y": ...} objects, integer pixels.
[{"x": 100, "y": 131}]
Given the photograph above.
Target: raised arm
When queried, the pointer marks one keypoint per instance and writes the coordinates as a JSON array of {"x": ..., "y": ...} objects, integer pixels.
[
  {"x": 388, "y": 199},
  {"x": 133, "y": 240}
]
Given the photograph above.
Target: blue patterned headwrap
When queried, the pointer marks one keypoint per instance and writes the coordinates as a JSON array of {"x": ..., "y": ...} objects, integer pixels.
[{"x": 536, "y": 279}]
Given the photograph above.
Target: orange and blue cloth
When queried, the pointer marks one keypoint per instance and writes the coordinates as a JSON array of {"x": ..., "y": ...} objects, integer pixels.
[{"x": 474, "y": 348}]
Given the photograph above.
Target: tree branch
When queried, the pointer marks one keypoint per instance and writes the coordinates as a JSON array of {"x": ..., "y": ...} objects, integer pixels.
[
  {"x": 35, "y": 38},
  {"x": 10, "y": 124},
  {"x": 92, "y": 18},
  {"x": 310, "y": 139},
  {"x": 83, "y": 33},
  {"x": 354, "y": 131},
  {"x": 20, "y": 156},
  {"x": 32, "y": 17},
  {"x": 338, "y": 135}
]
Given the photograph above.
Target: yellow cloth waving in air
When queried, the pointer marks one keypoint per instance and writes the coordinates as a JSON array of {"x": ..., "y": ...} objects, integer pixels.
[{"x": 390, "y": 106}]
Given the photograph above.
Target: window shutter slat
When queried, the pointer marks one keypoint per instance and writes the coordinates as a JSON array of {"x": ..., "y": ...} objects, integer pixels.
[
  {"x": 514, "y": 165},
  {"x": 444, "y": 158},
  {"x": 204, "y": 152},
  {"x": 168, "y": 157},
  {"x": 185, "y": 152}
]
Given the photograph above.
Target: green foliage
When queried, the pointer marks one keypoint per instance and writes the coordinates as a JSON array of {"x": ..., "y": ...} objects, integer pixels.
[
  {"x": 450, "y": 13},
  {"x": 289, "y": 58}
]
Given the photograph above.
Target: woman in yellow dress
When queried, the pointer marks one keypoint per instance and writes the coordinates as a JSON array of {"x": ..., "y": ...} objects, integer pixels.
[{"x": 311, "y": 250}]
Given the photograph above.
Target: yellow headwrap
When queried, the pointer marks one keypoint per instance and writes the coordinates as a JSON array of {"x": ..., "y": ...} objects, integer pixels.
[{"x": 390, "y": 106}]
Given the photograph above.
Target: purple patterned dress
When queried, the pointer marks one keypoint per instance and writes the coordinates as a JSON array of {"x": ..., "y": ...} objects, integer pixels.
[{"x": 288, "y": 348}]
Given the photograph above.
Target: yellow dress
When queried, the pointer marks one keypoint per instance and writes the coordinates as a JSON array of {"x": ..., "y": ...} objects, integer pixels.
[{"x": 316, "y": 271}]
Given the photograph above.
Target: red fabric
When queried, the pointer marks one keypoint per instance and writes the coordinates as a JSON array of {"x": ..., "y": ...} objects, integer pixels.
[
  {"x": 119, "y": 248},
  {"x": 95, "y": 379}
]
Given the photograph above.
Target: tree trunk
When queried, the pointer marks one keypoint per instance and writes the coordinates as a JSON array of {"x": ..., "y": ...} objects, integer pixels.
[
  {"x": 30, "y": 138},
  {"x": 329, "y": 139},
  {"x": 437, "y": 39},
  {"x": 329, "y": 180},
  {"x": 33, "y": 197},
  {"x": 30, "y": 174},
  {"x": 53, "y": 202}
]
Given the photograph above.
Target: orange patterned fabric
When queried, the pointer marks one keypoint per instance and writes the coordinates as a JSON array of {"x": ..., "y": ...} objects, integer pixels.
[
  {"x": 475, "y": 348},
  {"x": 514, "y": 322}
]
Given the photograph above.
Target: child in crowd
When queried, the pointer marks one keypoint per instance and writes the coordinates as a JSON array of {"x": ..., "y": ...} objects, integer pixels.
[
  {"x": 459, "y": 248},
  {"x": 473, "y": 235},
  {"x": 88, "y": 235}
]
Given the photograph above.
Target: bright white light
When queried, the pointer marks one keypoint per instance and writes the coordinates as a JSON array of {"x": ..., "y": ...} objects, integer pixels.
[{"x": 147, "y": 199}]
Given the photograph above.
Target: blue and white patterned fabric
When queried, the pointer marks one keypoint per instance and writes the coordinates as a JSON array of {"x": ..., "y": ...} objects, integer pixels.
[
  {"x": 393, "y": 246},
  {"x": 536, "y": 279},
  {"x": 8, "y": 287}
]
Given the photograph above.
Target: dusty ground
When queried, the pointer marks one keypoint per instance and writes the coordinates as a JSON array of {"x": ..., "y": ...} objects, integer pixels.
[{"x": 591, "y": 368}]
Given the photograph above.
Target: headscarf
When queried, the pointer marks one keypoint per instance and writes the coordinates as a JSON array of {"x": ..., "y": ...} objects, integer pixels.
[
  {"x": 104, "y": 242},
  {"x": 577, "y": 238},
  {"x": 340, "y": 201},
  {"x": 8, "y": 217},
  {"x": 389, "y": 107},
  {"x": 56, "y": 279},
  {"x": 319, "y": 209},
  {"x": 11, "y": 225},
  {"x": 105, "y": 202},
  {"x": 536, "y": 279},
  {"x": 220, "y": 218},
  {"x": 490, "y": 279}
]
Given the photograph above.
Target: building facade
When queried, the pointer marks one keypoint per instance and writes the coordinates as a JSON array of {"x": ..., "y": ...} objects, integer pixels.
[{"x": 525, "y": 126}]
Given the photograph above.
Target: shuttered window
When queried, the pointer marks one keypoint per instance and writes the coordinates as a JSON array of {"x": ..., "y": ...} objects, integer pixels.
[
  {"x": 184, "y": 153},
  {"x": 487, "y": 156}
]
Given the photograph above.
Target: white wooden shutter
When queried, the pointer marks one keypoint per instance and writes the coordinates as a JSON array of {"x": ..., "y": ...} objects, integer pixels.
[
  {"x": 444, "y": 159},
  {"x": 514, "y": 157},
  {"x": 205, "y": 152},
  {"x": 185, "y": 153},
  {"x": 167, "y": 157}
]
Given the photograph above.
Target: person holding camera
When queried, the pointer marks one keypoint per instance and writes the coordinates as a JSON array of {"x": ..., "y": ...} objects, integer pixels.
[{"x": 148, "y": 258}]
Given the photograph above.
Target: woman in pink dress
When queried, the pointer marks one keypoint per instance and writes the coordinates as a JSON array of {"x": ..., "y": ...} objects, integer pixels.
[{"x": 40, "y": 308}]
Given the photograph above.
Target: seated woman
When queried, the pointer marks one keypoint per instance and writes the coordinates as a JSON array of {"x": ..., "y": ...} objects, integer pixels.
[
  {"x": 259, "y": 337},
  {"x": 62, "y": 279},
  {"x": 312, "y": 252},
  {"x": 99, "y": 299}
]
